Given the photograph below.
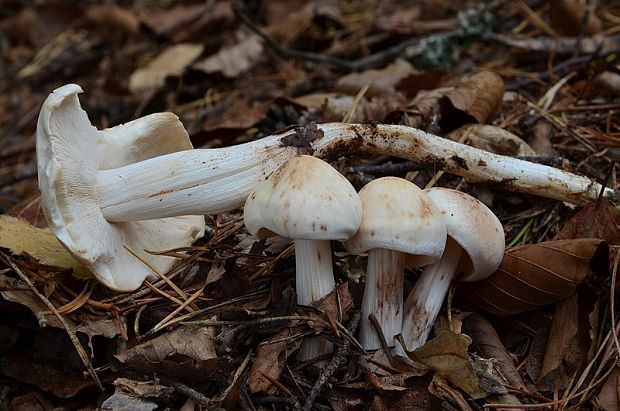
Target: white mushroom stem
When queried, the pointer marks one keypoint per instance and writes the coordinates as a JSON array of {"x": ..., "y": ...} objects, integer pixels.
[
  {"x": 383, "y": 297},
  {"x": 426, "y": 298},
  {"x": 314, "y": 280},
  {"x": 210, "y": 181}
]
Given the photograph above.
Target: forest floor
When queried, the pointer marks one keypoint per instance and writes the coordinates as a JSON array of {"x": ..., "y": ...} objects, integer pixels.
[{"x": 535, "y": 80}]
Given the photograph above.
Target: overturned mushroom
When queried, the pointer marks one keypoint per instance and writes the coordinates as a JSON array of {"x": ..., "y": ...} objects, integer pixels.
[
  {"x": 70, "y": 153},
  {"x": 307, "y": 200},
  {"x": 198, "y": 182}
]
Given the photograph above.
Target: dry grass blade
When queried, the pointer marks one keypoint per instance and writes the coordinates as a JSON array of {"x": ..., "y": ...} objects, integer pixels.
[
  {"x": 164, "y": 323},
  {"x": 77, "y": 302},
  {"x": 70, "y": 332},
  {"x": 161, "y": 276}
]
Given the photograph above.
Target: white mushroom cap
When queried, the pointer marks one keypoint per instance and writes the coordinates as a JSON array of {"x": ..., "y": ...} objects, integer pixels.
[
  {"x": 397, "y": 215},
  {"x": 304, "y": 199},
  {"x": 70, "y": 151},
  {"x": 475, "y": 228}
]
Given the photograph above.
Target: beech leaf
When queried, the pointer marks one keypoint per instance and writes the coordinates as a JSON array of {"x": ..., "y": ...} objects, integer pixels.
[{"x": 537, "y": 275}]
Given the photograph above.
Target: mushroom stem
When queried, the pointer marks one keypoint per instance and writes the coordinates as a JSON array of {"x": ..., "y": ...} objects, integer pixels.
[
  {"x": 210, "y": 181},
  {"x": 200, "y": 182},
  {"x": 314, "y": 280},
  {"x": 426, "y": 298},
  {"x": 383, "y": 297}
]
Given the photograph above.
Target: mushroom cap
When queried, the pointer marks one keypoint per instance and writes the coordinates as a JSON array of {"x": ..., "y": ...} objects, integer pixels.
[
  {"x": 70, "y": 151},
  {"x": 397, "y": 215},
  {"x": 475, "y": 228},
  {"x": 305, "y": 198}
]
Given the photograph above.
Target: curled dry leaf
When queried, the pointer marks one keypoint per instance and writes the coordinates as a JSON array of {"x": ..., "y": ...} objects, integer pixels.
[
  {"x": 537, "y": 275},
  {"x": 170, "y": 62},
  {"x": 568, "y": 17},
  {"x": 493, "y": 139},
  {"x": 479, "y": 96}
]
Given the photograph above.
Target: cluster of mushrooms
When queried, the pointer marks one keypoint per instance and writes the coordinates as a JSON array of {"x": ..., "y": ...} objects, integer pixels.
[
  {"x": 113, "y": 195},
  {"x": 392, "y": 220}
]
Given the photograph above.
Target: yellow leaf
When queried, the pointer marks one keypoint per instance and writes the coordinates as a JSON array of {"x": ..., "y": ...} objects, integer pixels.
[{"x": 19, "y": 236}]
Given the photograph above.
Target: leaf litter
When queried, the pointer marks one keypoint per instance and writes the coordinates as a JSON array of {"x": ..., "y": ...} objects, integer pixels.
[{"x": 543, "y": 332}]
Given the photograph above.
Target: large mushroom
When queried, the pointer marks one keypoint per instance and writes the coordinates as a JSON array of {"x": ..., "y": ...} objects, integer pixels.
[
  {"x": 70, "y": 154},
  {"x": 309, "y": 201},
  {"x": 474, "y": 249},
  {"x": 198, "y": 182},
  {"x": 398, "y": 222}
]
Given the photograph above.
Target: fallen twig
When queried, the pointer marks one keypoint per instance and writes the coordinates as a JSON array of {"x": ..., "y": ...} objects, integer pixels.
[{"x": 338, "y": 359}]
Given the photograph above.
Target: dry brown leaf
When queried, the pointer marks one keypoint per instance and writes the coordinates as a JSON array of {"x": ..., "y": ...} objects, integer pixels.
[
  {"x": 487, "y": 341},
  {"x": 113, "y": 18},
  {"x": 272, "y": 354},
  {"x": 233, "y": 60},
  {"x": 568, "y": 343},
  {"x": 330, "y": 107},
  {"x": 170, "y": 62},
  {"x": 447, "y": 355},
  {"x": 288, "y": 29},
  {"x": 479, "y": 96},
  {"x": 188, "y": 353},
  {"x": 493, "y": 139},
  {"x": 142, "y": 389},
  {"x": 380, "y": 82},
  {"x": 608, "y": 81},
  {"x": 567, "y": 17},
  {"x": 593, "y": 221},
  {"x": 536, "y": 275},
  {"x": 166, "y": 21},
  {"x": 609, "y": 397},
  {"x": 19, "y": 237}
]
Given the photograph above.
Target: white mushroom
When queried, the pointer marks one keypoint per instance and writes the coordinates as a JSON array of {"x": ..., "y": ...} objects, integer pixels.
[
  {"x": 198, "y": 182},
  {"x": 474, "y": 250},
  {"x": 70, "y": 153},
  {"x": 398, "y": 220},
  {"x": 309, "y": 201}
]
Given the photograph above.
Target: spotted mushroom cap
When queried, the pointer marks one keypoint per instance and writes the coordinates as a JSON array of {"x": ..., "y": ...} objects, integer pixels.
[
  {"x": 398, "y": 216},
  {"x": 306, "y": 199},
  {"x": 70, "y": 151},
  {"x": 475, "y": 228}
]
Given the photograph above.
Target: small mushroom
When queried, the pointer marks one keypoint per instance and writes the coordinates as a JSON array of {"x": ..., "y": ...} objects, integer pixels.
[
  {"x": 474, "y": 250},
  {"x": 68, "y": 160},
  {"x": 399, "y": 223},
  {"x": 309, "y": 201}
]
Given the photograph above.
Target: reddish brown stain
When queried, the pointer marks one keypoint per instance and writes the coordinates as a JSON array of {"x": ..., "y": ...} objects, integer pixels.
[{"x": 426, "y": 209}]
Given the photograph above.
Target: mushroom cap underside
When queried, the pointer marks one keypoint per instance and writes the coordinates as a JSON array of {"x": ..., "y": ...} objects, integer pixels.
[{"x": 70, "y": 151}]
